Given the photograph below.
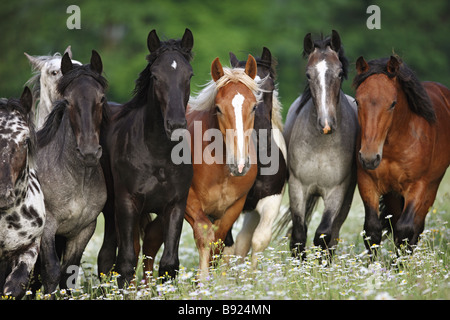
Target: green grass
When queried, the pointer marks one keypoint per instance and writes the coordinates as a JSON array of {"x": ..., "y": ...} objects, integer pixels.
[{"x": 352, "y": 274}]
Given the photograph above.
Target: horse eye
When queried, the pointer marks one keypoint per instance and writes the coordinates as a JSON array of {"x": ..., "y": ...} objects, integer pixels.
[
  {"x": 393, "y": 105},
  {"x": 218, "y": 110},
  {"x": 254, "y": 108},
  {"x": 356, "y": 101},
  {"x": 308, "y": 76},
  {"x": 103, "y": 99},
  {"x": 54, "y": 73},
  {"x": 341, "y": 74}
]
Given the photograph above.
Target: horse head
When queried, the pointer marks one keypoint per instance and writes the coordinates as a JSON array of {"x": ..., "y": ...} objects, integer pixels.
[
  {"x": 325, "y": 72},
  {"x": 235, "y": 106},
  {"x": 16, "y": 139},
  {"x": 171, "y": 73},
  {"x": 83, "y": 89}
]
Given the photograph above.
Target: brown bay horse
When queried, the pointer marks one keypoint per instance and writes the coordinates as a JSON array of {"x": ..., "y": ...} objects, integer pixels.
[
  {"x": 220, "y": 125},
  {"x": 404, "y": 146}
]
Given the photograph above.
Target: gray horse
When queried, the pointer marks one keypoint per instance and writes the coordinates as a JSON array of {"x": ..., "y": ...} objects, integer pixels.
[
  {"x": 69, "y": 169},
  {"x": 320, "y": 133}
]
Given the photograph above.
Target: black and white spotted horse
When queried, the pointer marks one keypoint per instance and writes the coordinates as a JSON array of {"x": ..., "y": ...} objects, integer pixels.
[{"x": 22, "y": 209}]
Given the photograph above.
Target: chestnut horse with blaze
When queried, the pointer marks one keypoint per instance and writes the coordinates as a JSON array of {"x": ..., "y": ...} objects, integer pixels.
[
  {"x": 225, "y": 111},
  {"x": 404, "y": 146}
]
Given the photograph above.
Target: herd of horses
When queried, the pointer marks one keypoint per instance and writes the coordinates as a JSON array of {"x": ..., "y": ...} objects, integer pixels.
[{"x": 68, "y": 154}]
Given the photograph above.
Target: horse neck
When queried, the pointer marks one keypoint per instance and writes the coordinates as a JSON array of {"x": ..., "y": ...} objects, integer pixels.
[
  {"x": 153, "y": 122},
  {"x": 44, "y": 107}
]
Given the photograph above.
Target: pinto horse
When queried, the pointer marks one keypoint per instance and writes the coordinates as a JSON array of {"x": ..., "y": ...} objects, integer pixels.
[
  {"x": 140, "y": 175},
  {"x": 264, "y": 199},
  {"x": 404, "y": 146}
]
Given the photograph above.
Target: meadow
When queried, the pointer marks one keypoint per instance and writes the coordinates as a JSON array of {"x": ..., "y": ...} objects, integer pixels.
[{"x": 351, "y": 274}]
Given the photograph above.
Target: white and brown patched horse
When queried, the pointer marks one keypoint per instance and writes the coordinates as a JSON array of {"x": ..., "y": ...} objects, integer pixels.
[
  {"x": 22, "y": 210},
  {"x": 47, "y": 72},
  {"x": 264, "y": 199}
]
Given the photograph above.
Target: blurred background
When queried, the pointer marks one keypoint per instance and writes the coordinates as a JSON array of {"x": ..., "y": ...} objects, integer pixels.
[{"x": 418, "y": 31}]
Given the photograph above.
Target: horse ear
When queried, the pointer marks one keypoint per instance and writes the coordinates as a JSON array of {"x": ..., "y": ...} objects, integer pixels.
[
  {"x": 96, "y": 62},
  {"x": 66, "y": 64},
  {"x": 69, "y": 51},
  {"x": 361, "y": 65},
  {"x": 187, "y": 41},
  {"x": 250, "y": 67},
  {"x": 216, "y": 70},
  {"x": 35, "y": 62},
  {"x": 26, "y": 99},
  {"x": 308, "y": 44},
  {"x": 234, "y": 60},
  {"x": 153, "y": 42},
  {"x": 266, "y": 55},
  {"x": 335, "y": 41},
  {"x": 393, "y": 65}
]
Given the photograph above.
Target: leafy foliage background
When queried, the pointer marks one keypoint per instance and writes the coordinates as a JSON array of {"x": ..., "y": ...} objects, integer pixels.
[{"x": 416, "y": 30}]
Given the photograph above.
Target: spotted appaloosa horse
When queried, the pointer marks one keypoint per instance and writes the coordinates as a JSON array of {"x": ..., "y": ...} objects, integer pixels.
[
  {"x": 22, "y": 210},
  {"x": 47, "y": 72}
]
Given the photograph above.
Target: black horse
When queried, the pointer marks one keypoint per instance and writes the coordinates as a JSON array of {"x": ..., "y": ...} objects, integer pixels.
[{"x": 140, "y": 175}]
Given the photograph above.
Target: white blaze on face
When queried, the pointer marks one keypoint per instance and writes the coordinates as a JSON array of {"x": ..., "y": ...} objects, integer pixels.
[
  {"x": 237, "y": 103},
  {"x": 174, "y": 65},
  {"x": 321, "y": 68}
]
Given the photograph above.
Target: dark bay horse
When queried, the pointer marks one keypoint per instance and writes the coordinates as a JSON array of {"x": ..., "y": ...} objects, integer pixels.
[
  {"x": 320, "y": 133},
  {"x": 264, "y": 199},
  {"x": 22, "y": 209},
  {"x": 141, "y": 176},
  {"x": 69, "y": 168},
  {"x": 404, "y": 146}
]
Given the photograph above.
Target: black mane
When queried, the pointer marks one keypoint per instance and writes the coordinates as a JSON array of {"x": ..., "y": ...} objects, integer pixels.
[
  {"x": 416, "y": 95},
  {"x": 144, "y": 80},
  {"x": 78, "y": 71},
  {"x": 322, "y": 44}
]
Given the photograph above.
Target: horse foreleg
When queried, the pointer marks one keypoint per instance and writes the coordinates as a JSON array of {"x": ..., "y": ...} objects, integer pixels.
[
  {"x": 203, "y": 232},
  {"x": 244, "y": 237},
  {"x": 268, "y": 208},
  {"x": 172, "y": 221},
  {"x": 72, "y": 255},
  {"x": 17, "y": 281},
  {"x": 107, "y": 253},
  {"x": 50, "y": 267},
  {"x": 418, "y": 200},
  {"x": 301, "y": 206},
  {"x": 153, "y": 239},
  {"x": 126, "y": 220},
  {"x": 371, "y": 200}
]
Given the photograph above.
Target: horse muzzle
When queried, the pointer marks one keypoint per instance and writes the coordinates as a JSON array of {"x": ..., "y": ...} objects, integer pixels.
[
  {"x": 369, "y": 161},
  {"x": 90, "y": 156}
]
